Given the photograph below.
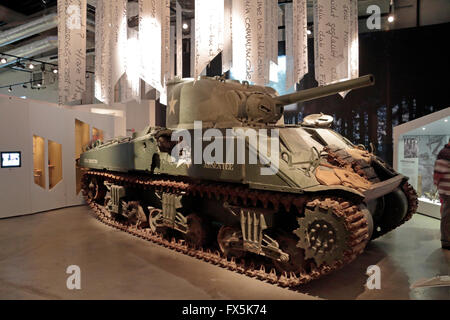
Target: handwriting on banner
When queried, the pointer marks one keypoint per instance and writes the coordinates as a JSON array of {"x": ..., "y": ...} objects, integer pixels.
[
  {"x": 336, "y": 37},
  {"x": 209, "y": 40},
  {"x": 71, "y": 49},
  {"x": 252, "y": 40}
]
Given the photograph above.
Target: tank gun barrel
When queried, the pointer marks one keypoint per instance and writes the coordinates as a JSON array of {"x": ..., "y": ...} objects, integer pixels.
[{"x": 323, "y": 91}]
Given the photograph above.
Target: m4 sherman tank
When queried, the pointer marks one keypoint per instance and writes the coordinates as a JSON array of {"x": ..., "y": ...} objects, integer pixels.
[{"x": 228, "y": 182}]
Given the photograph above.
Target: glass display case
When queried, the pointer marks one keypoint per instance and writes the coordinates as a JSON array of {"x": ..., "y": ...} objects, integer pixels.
[{"x": 416, "y": 146}]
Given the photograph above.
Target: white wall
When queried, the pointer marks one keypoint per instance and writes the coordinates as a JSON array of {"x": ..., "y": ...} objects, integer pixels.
[
  {"x": 20, "y": 119},
  {"x": 130, "y": 116}
]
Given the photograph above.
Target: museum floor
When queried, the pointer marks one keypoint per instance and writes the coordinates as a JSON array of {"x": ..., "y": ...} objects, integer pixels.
[{"x": 36, "y": 250}]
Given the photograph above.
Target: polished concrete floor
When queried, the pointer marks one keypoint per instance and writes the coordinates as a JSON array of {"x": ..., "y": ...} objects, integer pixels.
[{"x": 35, "y": 251}]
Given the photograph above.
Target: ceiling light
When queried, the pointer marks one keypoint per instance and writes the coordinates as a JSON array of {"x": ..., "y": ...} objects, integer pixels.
[
  {"x": 10, "y": 89},
  {"x": 55, "y": 71},
  {"x": 446, "y": 120},
  {"x": 38, "y": 84},
  {"x": 31, "y": 66},
  {"x": 391, "y": 18},
  {"x": 423, "y": 128},
  {"x": 308, "y": 31},
  {"x": 3, "y": 60},
  {"x": 185, "y": 26}
]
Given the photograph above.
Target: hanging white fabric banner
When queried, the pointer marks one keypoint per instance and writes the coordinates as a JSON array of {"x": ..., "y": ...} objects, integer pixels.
[
  {"x": 71, "y": 50},
  {"x": 165, "y": 54},
  {"x": 172, "y": 52},
  {"x": 289, "y": 36},
  {"x": 250, "y": 42},
  {"x": 192, "y": 47},
  {"x": 154, "y": 39},
  {"x": 296, "y": 42},
  {"x": 103, "y": 89},
  {"x": 209, "y": 16},
  {"x": 110, "y": 47},
  {"x": 179, "y": 37},
  {"x": 132, "y": 85},
  {"x": 354, "y": 40},
  {"x": 227, "y": 53},
  {"x": 271, "y": 30},
  {"x": 336, "y": 44},
  {"x": 118, "y": 40},
  {"x": 274, "y": 35}
]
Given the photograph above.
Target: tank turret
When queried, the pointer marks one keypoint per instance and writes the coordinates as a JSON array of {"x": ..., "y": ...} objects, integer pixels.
[{"x": 223, "y": 103}]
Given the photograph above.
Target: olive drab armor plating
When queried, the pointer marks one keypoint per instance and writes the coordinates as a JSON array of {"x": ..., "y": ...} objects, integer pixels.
[{"x": 228, "y": 182}]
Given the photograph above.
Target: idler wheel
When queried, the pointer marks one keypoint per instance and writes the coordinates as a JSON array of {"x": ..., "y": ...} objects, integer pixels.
[
  {"x": 230, "y": 241},
  {"x": 322, "y": 235},
  {"x": 196, "y": 234},
  {"x": 296, "y": 263}
]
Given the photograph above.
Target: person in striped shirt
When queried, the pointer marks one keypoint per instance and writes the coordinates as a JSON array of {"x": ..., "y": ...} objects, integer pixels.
[{"x": 442, "y": 182}]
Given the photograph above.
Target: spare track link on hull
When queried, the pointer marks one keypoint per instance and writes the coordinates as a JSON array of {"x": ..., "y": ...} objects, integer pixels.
[{"x": 353, "y": 217}]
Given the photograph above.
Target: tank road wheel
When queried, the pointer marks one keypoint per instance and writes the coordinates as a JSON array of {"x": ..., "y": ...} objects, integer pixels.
[
  {"x": 135, "y": 214},
  {"x": 329, "y": 229},
  {"x": 296, "y": 263},
  {"x": 230, "y": 241},
  {"x": 155, "y": 221},
  {"x": 197, "y": 233},
  {"x": 95, "y": 190}
]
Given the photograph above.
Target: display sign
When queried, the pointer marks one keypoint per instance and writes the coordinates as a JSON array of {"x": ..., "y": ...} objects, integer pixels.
[
  {"x": 11, "y": 159},
  {"x": 411, "y": 148}
]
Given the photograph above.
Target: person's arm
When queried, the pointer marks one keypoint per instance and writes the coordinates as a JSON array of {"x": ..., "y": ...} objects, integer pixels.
[{"x": 441, "y": 168}]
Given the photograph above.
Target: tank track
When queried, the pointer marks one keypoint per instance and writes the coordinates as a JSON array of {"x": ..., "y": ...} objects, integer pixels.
[{"x": 352, "y": 216}]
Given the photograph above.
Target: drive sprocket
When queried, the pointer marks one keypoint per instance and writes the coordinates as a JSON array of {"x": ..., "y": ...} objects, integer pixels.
[{"x": 326, "y": 233}]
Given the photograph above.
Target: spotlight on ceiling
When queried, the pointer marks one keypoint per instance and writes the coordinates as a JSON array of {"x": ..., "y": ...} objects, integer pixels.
[
  {"x": 185, "y": 26},
  {"x": 10, "y": 89},
  {"x": 308, "y": 32},
  {"x": 55, "y": 71},
  {"x": 31, "y": 66},
  {"x": 3, "y": 60},
  {"x": 391, "y": 18}
]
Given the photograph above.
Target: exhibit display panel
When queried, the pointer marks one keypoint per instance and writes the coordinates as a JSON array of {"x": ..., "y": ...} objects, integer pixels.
[{"x": 416, "y": 146}]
